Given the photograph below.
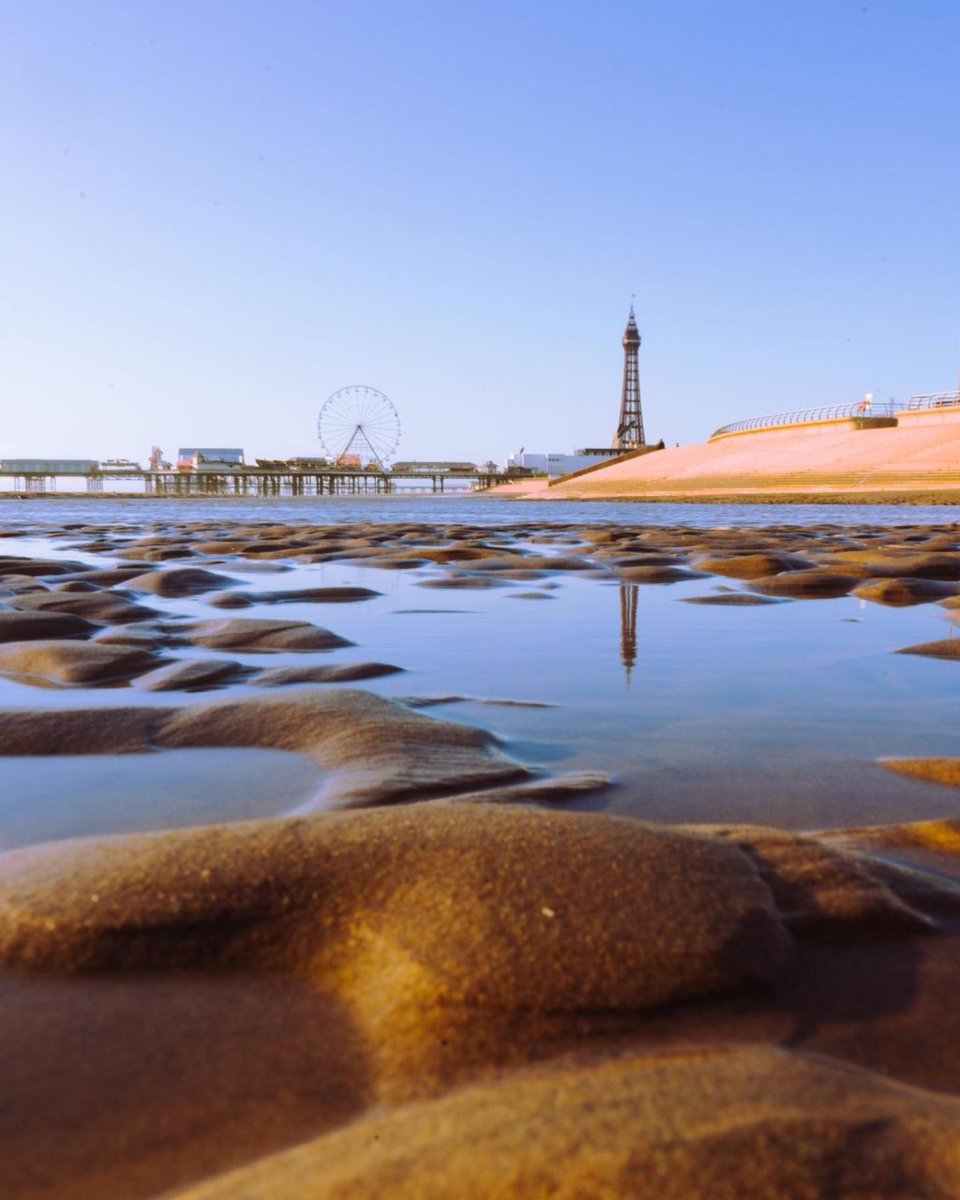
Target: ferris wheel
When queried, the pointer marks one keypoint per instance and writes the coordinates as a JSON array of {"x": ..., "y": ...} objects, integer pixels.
[{"x": 360, "y": 422}]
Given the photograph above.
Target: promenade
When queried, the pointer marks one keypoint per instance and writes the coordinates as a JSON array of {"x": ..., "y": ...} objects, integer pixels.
[{"x": 921, "y": 454}]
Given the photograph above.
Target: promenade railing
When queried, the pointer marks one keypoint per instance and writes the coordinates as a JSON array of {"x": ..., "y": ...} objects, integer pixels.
[
  {"x": 812, "y": 416},
  {"x": 932, "y": 400}
]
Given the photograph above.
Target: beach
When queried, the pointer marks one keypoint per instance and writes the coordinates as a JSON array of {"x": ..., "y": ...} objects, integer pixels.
[{"x": 475, "y": 848}]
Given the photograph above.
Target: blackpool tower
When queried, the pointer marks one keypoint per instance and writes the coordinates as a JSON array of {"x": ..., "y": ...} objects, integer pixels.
[{"x": 629, "y": 434}]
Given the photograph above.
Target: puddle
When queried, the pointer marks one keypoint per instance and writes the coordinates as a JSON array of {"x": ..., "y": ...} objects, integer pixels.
[{"x": 68, "y": 796}]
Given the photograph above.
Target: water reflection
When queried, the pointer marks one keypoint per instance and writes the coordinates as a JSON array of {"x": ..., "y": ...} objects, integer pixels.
[
  {"x": 771, "y": 715},
  {"x": 629, "y": 596},
  {"x": 136, "y": 511},
  {"x": 65, "y": 796}
]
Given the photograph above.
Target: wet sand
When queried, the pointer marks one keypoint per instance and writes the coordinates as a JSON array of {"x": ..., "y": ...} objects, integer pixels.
[{"x": 415, "y": 971}]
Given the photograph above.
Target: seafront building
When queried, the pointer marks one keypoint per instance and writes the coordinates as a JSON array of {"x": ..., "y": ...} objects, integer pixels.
[{"x": 556, "y": 462}]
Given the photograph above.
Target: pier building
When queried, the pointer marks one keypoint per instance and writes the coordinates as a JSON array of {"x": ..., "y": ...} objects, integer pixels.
[{"x": 209, "y": 458}]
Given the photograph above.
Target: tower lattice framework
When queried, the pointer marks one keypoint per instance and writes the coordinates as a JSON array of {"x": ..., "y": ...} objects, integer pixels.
[{"x": 630, "y": 430}]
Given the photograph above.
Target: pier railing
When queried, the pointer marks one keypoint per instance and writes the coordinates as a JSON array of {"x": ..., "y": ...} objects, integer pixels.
[{"x": 811, "y": 416}]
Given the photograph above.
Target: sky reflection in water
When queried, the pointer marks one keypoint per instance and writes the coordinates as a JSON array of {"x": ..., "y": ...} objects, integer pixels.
[{"x": 774, "y": 714}]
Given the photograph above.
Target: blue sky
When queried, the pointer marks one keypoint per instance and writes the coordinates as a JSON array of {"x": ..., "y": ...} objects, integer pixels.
[{"x": 216, "y": 214}]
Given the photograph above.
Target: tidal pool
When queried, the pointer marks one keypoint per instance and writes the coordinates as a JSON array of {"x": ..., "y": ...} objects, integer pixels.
[
  {"x": 83, "y": 795},
  {"x": 778, "y": 714}
]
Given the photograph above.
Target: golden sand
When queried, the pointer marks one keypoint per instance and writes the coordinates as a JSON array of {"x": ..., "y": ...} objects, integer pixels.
[{"x": 437, "y": 989}]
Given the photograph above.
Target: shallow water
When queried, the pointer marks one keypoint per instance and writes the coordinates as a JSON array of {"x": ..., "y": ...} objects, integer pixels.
[
  {"x": 67, "y": 796},
  {"x": 775, "y": 714},
  {"x": 138, "y": 511}
]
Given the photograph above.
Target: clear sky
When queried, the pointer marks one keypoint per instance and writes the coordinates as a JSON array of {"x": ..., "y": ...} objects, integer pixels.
[{"x": 214, "y": 214}]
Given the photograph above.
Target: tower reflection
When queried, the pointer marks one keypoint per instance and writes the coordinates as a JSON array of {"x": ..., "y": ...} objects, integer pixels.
[{"x": 629, "y": 596}]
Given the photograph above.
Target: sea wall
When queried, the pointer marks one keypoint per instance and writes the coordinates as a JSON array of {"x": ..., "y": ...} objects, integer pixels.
[{"x": 921, "y": 453}]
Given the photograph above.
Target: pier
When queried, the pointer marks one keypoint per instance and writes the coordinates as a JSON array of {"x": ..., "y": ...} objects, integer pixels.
[{"x": 243, "y": 481}]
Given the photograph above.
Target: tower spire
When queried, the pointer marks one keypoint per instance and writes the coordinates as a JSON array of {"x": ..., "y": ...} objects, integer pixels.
[{"x": 629, "y": 435}]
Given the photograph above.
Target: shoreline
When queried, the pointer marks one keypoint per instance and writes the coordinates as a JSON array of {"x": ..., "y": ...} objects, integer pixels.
[
  {"x": 907, "y": 499},
  {"x": 911, "y": 499}
]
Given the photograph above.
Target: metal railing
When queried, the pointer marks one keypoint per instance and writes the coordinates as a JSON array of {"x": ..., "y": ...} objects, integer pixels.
[
  {"x": 812, "y": 416},
  {"x": 928, "y": 400}
]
